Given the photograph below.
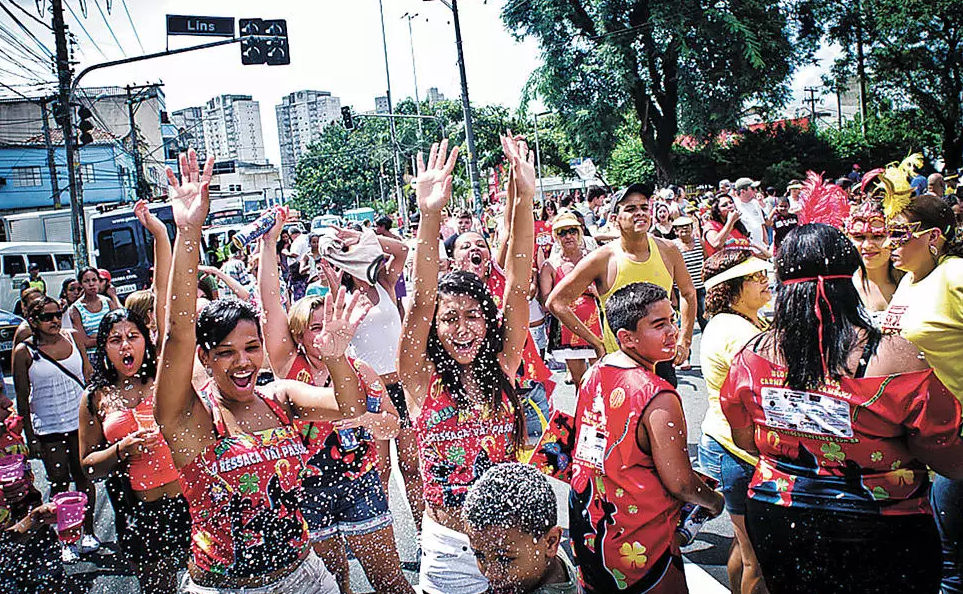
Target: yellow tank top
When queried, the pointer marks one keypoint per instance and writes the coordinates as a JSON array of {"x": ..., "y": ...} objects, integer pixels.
[{"x": 653, "y": 270}]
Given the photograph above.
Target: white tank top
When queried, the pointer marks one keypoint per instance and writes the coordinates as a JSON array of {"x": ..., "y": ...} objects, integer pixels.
[
  {"x": 54, "y": 396},
  {"x": 376, "y": 339}
]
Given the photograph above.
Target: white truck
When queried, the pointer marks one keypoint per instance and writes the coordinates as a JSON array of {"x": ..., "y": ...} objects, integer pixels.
[{"x": 42, "y": 225}]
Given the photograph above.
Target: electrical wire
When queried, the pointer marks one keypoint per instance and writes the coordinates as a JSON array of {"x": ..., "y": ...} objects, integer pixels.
[
  {"x": 12, "y": 39},
  {"x": 109, "y": 28},
  {"x": 84, "y": 29},
  {"x": 133, "y": 27},
  {"x": 26, "y": 12},
  {"x": 26, "y": 30}
]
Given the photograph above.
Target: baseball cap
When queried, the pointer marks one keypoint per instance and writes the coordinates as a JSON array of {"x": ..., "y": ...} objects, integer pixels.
[
  {"x": 104, "y": 275},
  {"x": 645, "y": 189},
  {"x": 744, "y": 183},
  {"x": 794, "y": 184},
  {"x": 33, "y": 266},
  {"x": 681, "y": 221}
]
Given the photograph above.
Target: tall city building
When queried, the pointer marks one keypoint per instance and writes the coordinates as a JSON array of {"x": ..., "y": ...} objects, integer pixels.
[
  {"x": 381, "y": 104},
  {"x": 302, "y": 116},
  {"x": 434, "y": 96},
  {"x": 190, "y": 129},
  {"x": 232, "y": 129}
]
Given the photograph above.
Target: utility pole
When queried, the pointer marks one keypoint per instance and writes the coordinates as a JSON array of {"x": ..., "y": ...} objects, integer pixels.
[
  {"x": 812, "y": 101},
  {"x": 466, "y": 107},
  {"x": 861, "y": 67},
  {"x": 78, "y": 227},
  {"x": 51, "y": 161},
  {"x": 414, "y": 72},
  {"x": 391, "y": 120},
  {"x": 138, "y": 164}
]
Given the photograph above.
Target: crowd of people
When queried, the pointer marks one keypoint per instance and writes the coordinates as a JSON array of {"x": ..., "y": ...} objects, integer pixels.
[{"x": 245, "y": 409}]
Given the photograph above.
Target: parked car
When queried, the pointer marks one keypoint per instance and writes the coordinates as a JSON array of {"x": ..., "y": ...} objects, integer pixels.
[
  {"x": 54, "y": 260},
  {"x": 8, "y": 326},
  {"x": 324, "y": 221}
]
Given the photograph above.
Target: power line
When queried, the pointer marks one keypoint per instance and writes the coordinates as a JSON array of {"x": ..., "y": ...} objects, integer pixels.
[
  {"x": 26, "y": 51},
  {"x": 35, "y": 19},
  {"x": 109, "y": 28},
  {"x": 5, "y": 85},
  {"x": 26, "y": 30},
  {"x": 133, "y": 27},
  {"x": 84, "y": 29}
]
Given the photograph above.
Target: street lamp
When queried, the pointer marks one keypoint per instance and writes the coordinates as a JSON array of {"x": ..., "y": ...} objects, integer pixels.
[
  {"x": 414, "y": 72},
  {"x": 391, "y": 120},
  {"x": 538, "y": 157},
  {"x": 466, "y": 107}
]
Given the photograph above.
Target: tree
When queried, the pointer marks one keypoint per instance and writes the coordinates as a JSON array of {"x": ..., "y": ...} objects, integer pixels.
[
  {"x": 676, "y": 64},
  {"x": 914, "y": 55}
]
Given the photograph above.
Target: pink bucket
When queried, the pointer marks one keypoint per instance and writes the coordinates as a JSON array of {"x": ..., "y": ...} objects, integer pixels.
[
  {"x": 12, "y": 468},
  {"x": 71, "y": 506}
]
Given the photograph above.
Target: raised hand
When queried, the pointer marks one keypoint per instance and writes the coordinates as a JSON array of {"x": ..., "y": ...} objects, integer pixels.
[
  {"x": 190, "y": 198},
  {"x": 523, "y": 163},
  {"x": 148, "y": 219},
  {"x": 341, "y": 319},
  {"x": 281, "y": 214},
  {"x": 433, "y": 185},
  {"x": 331, "y": 276}
]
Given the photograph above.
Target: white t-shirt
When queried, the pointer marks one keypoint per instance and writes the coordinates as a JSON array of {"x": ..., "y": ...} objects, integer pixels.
[
  {"x": 301, "y": 245},
  {"x": 753, "y": 218}
]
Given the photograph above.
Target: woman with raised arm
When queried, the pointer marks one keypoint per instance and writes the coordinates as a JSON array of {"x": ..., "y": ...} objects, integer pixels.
[
  {"x": 457, "y": 362},
  {"x": 235, "y": 445},
  {"x": 343, "y": 495}
]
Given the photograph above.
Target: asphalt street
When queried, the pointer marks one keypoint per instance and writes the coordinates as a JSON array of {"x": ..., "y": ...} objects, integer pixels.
[{"x": 105, "y": 573}]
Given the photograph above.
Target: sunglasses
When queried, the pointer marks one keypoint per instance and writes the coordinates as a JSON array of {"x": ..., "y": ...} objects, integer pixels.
[
  {"x": 760, "y": 277},
  {"x": 567, "y": 231},
  {"x": 49, "y": 316},
  {"x": 902, "y": 233}
]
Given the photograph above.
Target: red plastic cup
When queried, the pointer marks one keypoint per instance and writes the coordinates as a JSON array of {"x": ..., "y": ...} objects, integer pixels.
[
  {"x": 71, "y": 506},
  {"x": 12, "y": 468}
]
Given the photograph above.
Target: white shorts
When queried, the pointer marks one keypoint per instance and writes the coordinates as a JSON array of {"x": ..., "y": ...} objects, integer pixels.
[
  {"x": 448, "y": 564},
  {"x": 567, "y": 354},
  {"x": 311, "y": 577}
]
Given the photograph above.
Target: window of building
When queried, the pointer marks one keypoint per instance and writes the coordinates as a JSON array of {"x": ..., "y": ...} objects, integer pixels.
[
  {"x": 87, "y": 175},
  {"x": 27, "y": 177}
]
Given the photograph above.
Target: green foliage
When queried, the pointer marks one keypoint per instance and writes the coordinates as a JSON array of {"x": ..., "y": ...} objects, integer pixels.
[{"x": 675, "y": 64}]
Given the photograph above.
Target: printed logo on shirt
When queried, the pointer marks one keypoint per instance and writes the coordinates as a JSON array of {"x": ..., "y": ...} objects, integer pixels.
[
  {"x": 806, "y": 412},
  {"x": 892, "y": 321}
]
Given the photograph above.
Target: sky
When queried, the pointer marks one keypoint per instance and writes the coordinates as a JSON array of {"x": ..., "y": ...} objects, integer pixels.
[{"x": 336, "y": 46}]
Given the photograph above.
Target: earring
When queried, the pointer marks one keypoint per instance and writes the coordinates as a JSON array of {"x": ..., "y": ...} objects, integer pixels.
[
  {"x": 209, "y": 371},
  {"x": 933, "y": 250}
]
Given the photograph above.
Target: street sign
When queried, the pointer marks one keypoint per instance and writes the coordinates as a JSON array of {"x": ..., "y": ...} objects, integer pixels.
[
  {"x": 200, "y": 25},
  {"x": 573, "y": 163}
]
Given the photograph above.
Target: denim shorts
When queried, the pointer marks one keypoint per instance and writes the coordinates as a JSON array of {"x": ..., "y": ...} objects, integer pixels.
[
  {"x": 534, "y": 398},
  {"x": 351, "y": 507},
  {"x": 732, "y": 473}
]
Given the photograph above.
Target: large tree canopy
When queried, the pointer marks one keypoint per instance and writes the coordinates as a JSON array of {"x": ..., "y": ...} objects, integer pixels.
[{"x": 679, "y": 65}]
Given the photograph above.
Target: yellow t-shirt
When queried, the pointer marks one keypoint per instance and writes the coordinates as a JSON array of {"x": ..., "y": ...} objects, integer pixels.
[
  {"x": 929, "y": 313},
  {"x": 724, "y": 336}
]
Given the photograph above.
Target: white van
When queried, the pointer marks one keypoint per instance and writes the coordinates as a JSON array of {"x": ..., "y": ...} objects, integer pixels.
[{"x": 55, "y": 260}]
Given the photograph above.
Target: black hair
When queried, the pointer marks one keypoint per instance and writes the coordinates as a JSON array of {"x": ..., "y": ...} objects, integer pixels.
[
  {"x": 543, "y": 212},
  {"x": 933, "y": 212},
  {"x": 105, "y": 375},
  {"x": 784, "y": 199},
  {"x": 35, "y": 306},
  {"x": 83, "y": 271},
  {"x": 384, "y": 221},
  {"x": 596, "y": 192},
  {"x": 63, "y": 287},
  {"x": 809, "y": 251},
  {"x": 716, "y": 216},
  {"x": 219, "y": 318},
  {"x": 512, "y": 495},
  {"x": 485, "y": 369},
  {"x": 628, "y": 305},
  {"x": 720, "y": 298},
  {"x": 566, "y": 201}
]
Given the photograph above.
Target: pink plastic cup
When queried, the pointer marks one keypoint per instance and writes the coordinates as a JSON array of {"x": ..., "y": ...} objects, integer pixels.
[
  {"x": 71, "y": 506},
  {"x": 12, "y": 468}
]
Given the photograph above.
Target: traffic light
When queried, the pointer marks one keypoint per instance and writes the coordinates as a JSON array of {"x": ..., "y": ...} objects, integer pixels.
[
  {"x": 85, "y": 126},
  {"x": 264, "y": 42},
  {"x": 347, "y": 118}
]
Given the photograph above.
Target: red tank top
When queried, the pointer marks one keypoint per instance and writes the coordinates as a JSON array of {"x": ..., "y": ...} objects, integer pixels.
[
  {"x": 458, "y": 446},
  {"x": 533, "y": 367},
  {"x": 327, "y": 457},
  {"x": 586, "y": 309},
  {"x": 155, "y": 467},
  {"x": 244, "y": 493},
  {"x": 622, "y": 517}
]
